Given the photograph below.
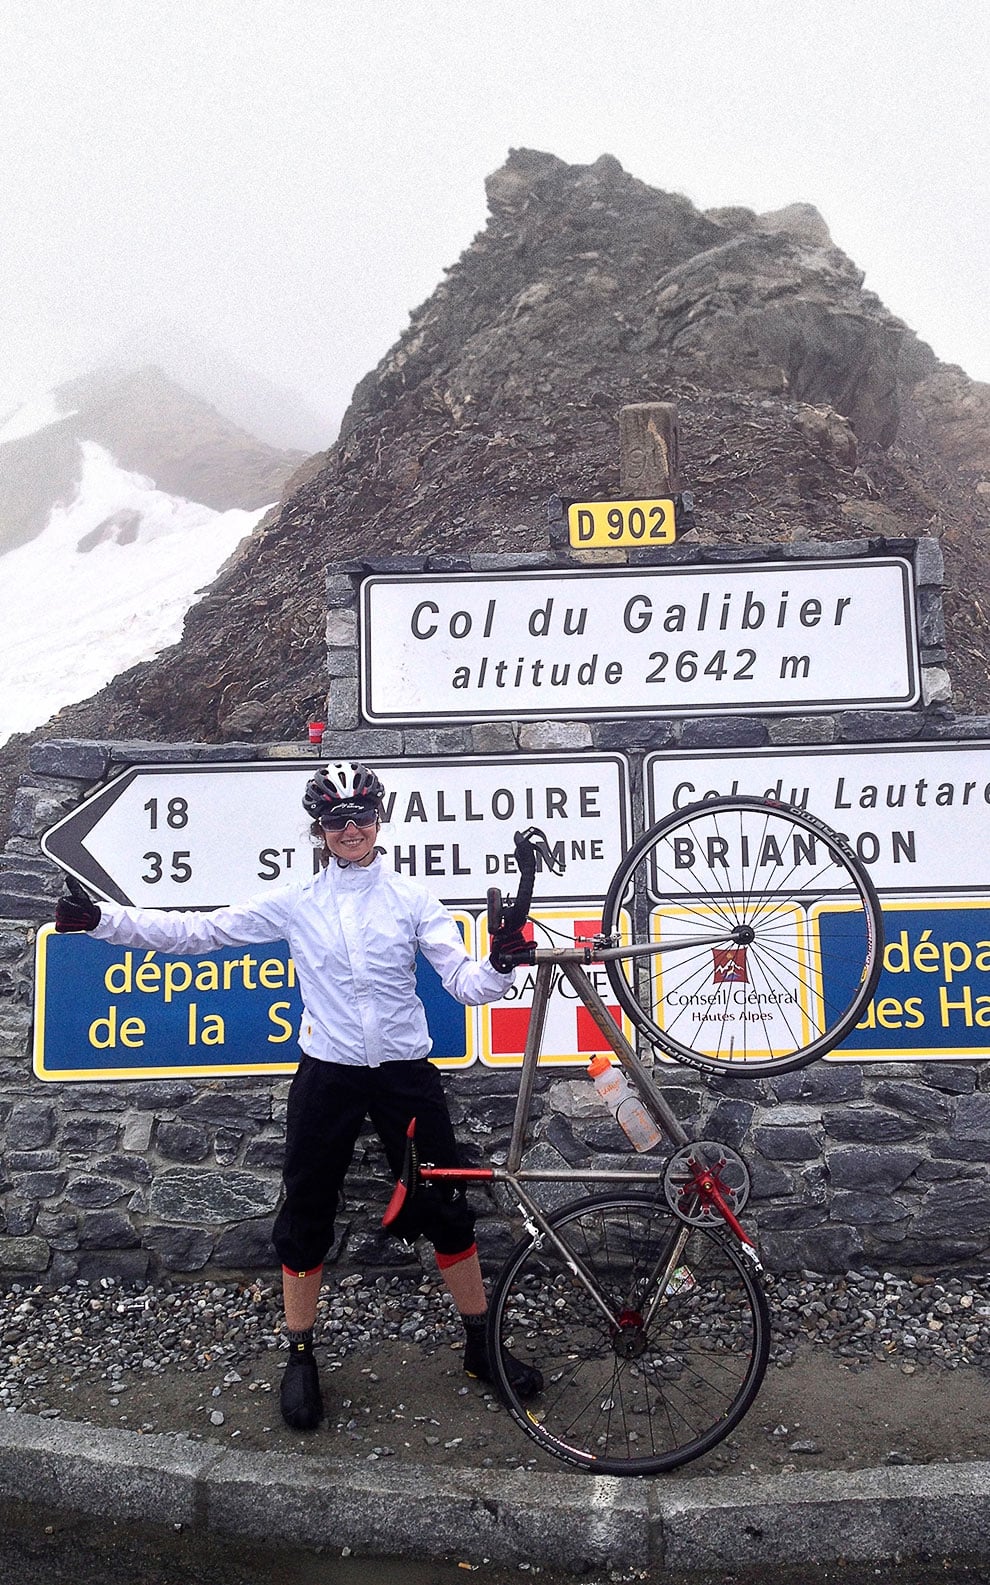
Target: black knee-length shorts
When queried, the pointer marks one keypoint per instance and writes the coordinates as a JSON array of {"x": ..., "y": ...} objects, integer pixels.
[{"x": 327, "y": 1106}]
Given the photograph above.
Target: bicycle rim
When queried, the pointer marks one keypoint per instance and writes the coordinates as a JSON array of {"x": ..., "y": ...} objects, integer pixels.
[
  {"x": 630, "y": 1398},
  {"x": 801, "y": 930}
]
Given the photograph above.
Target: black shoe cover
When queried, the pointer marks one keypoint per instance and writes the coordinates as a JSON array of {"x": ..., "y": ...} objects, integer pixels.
[
  {"x": 300, "y": 1397},
  {"x": 525, "y": 1380}
]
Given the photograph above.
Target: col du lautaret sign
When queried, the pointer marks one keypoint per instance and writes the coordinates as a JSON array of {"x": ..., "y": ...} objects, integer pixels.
[{"x": 628, "y": 641}]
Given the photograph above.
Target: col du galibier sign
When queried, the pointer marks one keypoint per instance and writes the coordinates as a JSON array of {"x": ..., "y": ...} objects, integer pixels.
[{"x": 631, "y": 641}]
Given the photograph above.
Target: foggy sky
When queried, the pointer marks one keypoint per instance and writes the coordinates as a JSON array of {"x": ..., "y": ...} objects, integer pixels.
[{"x": 288, "y": 178}]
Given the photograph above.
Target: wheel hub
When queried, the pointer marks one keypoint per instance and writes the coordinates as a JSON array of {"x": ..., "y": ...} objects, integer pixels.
[{"x": 629, "y": 1339}]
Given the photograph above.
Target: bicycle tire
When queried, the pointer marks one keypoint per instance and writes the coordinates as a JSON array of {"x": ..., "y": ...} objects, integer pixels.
[
  {"x": 696, "y": 1366},
  {"x": 803, "y": 946}
]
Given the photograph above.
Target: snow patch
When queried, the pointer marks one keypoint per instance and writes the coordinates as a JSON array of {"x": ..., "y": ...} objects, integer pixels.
[
  {"x": 104, "y": 586},
  {"x": 32, "y": 416}
]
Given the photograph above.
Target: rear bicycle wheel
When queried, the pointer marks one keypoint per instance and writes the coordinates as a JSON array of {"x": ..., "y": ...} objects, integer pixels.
[
  {"x": 773, "y": 931},
  {"x": 674, "y": 1370}
]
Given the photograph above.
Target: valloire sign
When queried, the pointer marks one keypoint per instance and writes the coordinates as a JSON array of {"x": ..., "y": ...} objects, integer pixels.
[{"x": 200, "y": 835}]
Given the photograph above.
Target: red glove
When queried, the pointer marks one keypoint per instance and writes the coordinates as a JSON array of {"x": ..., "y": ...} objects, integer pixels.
[
  {"x": 509, "y": 948},
  {"x": 77, "y": 911}
]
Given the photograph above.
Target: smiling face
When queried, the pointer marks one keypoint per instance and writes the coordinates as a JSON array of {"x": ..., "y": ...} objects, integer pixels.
[{"x": 355, "y": 842}]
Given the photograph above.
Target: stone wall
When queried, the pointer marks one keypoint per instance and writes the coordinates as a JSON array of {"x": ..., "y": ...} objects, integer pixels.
[{"x": 887, "y": 1164}]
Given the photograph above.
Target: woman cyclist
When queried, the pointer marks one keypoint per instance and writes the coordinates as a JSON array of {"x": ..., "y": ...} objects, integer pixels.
[{"x": 354, "y": 930}]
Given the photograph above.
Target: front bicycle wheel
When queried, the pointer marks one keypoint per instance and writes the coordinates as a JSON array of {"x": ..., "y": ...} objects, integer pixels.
[
  {"x": 655, "y": 1368},
  {"x": 771, "y": 929}
]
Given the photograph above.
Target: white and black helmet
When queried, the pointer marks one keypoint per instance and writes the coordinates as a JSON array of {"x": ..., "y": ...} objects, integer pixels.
[{"x": 341, "y": 782}]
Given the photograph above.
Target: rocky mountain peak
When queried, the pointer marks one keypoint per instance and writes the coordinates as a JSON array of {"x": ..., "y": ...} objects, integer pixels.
[{"x": 808, "y": 410}]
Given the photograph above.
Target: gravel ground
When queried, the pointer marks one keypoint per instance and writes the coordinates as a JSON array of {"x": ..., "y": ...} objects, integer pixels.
[{"x": 867, "y": 1368}]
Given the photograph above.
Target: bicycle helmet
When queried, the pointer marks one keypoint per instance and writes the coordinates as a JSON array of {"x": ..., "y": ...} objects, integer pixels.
[{"x": 341, "y": 782}]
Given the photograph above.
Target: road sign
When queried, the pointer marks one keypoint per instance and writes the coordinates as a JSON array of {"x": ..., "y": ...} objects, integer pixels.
[
  {"x": 915, "y": 814},
  {"x": 805, "y": 636},
  {"x": 571, "y": 1034},
  {"x": 610, "y": 525},
  {"x": 933, "y": 999},
  {"x": 200, "y": 835},
  {"x": 106, "y": 1012}
]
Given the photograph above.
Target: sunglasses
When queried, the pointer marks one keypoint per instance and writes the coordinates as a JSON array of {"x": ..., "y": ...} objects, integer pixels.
[{"x": 365, "y": 817}]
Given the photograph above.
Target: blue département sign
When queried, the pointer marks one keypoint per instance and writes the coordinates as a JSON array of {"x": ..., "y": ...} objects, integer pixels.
[{"x": 105, "y": 1012}]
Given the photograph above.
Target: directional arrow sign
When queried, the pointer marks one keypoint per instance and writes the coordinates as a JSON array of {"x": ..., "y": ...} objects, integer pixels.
[{"x": 201, "y": 835}]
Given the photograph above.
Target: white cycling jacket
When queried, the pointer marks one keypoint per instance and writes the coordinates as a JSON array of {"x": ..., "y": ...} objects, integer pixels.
[{"x": 353, "y": 934}]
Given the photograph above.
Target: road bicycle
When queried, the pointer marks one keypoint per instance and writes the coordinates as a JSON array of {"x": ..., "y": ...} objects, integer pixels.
[{"x": 738, "y": 935}]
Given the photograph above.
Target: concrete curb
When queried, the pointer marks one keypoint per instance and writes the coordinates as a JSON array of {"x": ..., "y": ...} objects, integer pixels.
[{"x": 562, "y": 1521}]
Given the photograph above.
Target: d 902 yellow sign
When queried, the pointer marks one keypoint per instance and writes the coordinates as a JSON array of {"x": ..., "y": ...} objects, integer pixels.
[{"x": 607, "y": 525}]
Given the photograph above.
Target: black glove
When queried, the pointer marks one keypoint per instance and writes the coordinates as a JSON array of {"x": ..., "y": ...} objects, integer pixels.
[
  {"x": 509, "y": 948},
  {"x": 77, "y": 911}
]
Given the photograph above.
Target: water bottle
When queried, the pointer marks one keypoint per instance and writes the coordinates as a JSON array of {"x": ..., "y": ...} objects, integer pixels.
[{"x": 624, "y": 1104}]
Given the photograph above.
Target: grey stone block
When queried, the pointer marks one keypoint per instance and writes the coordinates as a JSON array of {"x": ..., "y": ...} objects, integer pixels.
[
  {"x": 40, "y": 1185},
  {"x": 514, "y": 561},
  {"x": 537, "y": 737},
  {"x": 788, "y": 1144},
  {"x": 824, "y": 1249},
  {"x": 182, "y": 1141},
  {"x": 929, "y": 564},
  {"x": 729, "y": 1121},
  {"x": 931, "y": 621},
  {"x": 78, "y": 758},
  {"x": 915, "y": 1099},
  {"x": 211, "y": 1198},
  {"x": 859, "y": 1208},
  {"x": 246, "y": 1246},
  {"x": 822, "y": 1081},
  {"x": 878, "y": 726},
  {"x": 823, "y": 550},
  {"x": 343, "y": 706},
  {"x": 439, "y": 740},
  {"x": 972, "y": 1117},
  {"x": 341, "y": 588},
  {"x": 643, "y": 732},
  {"x": 31, "y": 1125},
  {"x": 802, "y": 729},
  {"x": 143, "y": 753},
  {"x": 265, "y": 1153},
  {"x": 723, "y": 732},
  {"x": 341, "y": 630},
  {"x": 446, "y": 563},
  {"x": 239, "y": 1109},
  {"x": 88, "y": 1135},
  {"x": 91, "y": 1192},
  {"x": 24, "y": 1254},
  {"x": 870, "y": 1124},
  {"x": 964, "y": 1211},
  {"x": 493, "y": 737},
  {"x": 341, "y": 663},
  {"x": 18, "y": 1218},
  {"x": 863, "y": 1167},
  {"x": 368, "y": 743},
  {"x": 107, "y": 1230},
  {"x": 179, "y": 1248}
]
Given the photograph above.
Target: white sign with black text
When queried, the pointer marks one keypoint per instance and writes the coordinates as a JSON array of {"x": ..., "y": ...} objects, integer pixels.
[
  {"x": 626, "y": 641},
  {"x": 917, "y": 815},
  {"x": 199, "y": 835}
]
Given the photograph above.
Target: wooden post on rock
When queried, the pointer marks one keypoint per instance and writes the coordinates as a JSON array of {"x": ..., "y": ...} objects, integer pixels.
[{"x": 649, "y": 450}]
